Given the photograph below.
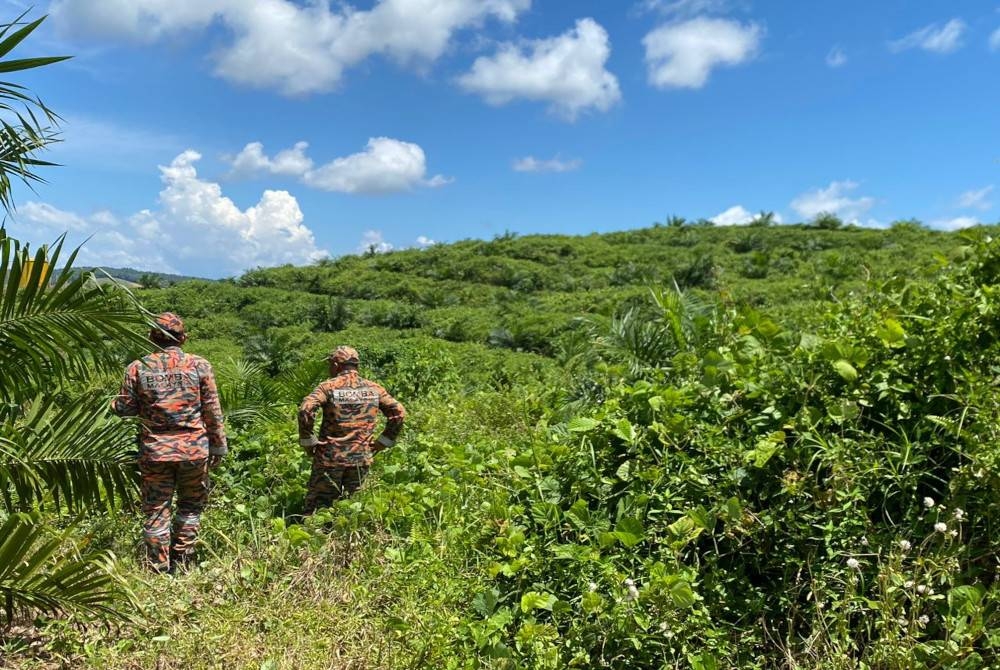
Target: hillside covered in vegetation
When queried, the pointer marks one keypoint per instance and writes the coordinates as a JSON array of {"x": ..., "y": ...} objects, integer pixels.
[{"x": 683, "y": 446}]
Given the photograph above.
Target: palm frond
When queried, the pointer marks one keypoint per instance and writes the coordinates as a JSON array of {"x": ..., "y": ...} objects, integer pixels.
[
  {"x": 55, "y": 327},
  {"x": 43, "y": 571},
  {"x": 70, "y": 456},
  {"x": 248, "y": 395},
  {"x": 299, "y": 381}
]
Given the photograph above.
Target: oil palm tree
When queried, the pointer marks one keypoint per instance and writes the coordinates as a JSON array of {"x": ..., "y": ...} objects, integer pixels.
[{"x": 60, "y": 454}]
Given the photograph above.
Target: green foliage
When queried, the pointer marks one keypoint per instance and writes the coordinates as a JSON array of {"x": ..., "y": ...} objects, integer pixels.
[
  {"x": 32, "y": 127},
  {"x": 684, "y": 446}
]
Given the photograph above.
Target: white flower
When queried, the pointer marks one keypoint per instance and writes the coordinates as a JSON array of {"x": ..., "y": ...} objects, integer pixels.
[
  {"x": 953, "y": 533},
  {"x": 941, "y": 527},
  {"x": 853, "y": 563},
  {"x": 923, "y": 620},
  {"x": 864, "y": 541},
  {"x": 905, "y": 545},
  {"x": 947, "y": 358},
  {"x": 663, "y": 626},
  {"x": 633, "y": 592},
  {"x": 928, "y": 502},
  {"x": 921, "y": 589},
  {"x": 592, "y": 586},
  {"x": 908, "y": 584},
  {"x": 959, "y": 513}
]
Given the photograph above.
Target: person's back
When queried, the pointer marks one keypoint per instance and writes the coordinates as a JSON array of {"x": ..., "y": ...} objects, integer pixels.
[
  {"x": 343, "y": 452},
  {"x": 170, "y": 390},
  {"x": 175, "y": 398}
]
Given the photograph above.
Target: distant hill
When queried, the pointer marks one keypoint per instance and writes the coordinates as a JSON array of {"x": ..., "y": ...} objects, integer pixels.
[{"x": 137, "y": 277}]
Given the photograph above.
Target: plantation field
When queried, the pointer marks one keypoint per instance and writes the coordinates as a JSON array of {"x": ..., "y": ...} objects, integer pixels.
[{"x": 639, "y": 450}]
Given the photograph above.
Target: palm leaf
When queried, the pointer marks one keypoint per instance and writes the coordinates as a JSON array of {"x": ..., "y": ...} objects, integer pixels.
[
  {"x": 248, "y": 395},
  {"x": 73, "y": 456},
  {"x": 58, "y": 327},
  {"x": 42, "y": 571}
]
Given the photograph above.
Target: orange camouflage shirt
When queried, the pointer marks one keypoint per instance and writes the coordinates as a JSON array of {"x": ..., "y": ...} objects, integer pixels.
[
  {"x": 175, "y": 397},
  {"x": 350, "y": 408}
]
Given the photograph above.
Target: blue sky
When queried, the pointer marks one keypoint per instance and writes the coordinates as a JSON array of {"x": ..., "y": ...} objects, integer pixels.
[{"x": 440, "y": 120}]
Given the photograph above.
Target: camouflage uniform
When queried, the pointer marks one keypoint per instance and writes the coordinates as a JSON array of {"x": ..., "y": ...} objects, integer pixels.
[
  {"x": 175, "y": 397},
  {"x": 343, "y": 453}
]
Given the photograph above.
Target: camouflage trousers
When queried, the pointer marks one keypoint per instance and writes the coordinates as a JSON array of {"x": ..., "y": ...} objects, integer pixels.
[
  {"x": 327, "y": 485},
  {"x": 160, "y": 480}
]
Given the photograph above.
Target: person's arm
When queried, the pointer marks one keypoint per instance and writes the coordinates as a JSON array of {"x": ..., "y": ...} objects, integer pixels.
[
  {"x": 211, "y": 414},
  {"x": 126, "y": 403},
  {"x": 395, "y": 415},
  {"x": 307, "y": 418}
]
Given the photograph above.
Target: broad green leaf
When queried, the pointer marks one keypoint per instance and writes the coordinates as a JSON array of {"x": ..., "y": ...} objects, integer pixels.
[
  {"x": 733, "y": 510},
  {"x": 582, "y": 424},
  {"x": 533, "y": 600},
  {"x": 485, "y": 602},
  {"x": 625, "y": 431},
  {"x": 591, "y": 602},
  {"x": 579, "y": 515},
  {"x": 629, "y": 531},
  {"x": 682, "y": 594},
  {"x": 845, "y": 370},
  {"x": 891, "y": 333}
]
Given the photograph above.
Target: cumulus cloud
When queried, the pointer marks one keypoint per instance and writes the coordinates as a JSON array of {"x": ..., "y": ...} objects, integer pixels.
[
  {"x": 532, "y": 164},
  {"x": 385, "y": 166},
  {"x": 567, "y": 71},
  {"x": 836, "y": 58},
  {"x": 683, "y": 55},
  {"x": 372, "y": 241},
  {"x": 995, "y": 40},
  {"x": 297, "y": 48},
  {"x": 955, "y": 224},
  {"x": 834, "y": 199},
  {"x": 423, "y": 242},
  {"x": 976, "y": 199},
  {"x": 738, "y": 216},
  {"x": 194, "y": 228},
  {"x": 252, "y": 160},
  {"x": 935, "y": 38}
]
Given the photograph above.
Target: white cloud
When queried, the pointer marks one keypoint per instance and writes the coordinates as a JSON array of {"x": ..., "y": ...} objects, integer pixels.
[
  {"x": 385, "y": 166},
  {"x": 836, "y": 58},
  {"x": 955, "y": 224},
  {"x": 976, "y": 199},
  {"x": 567, "y": 71},
  {"x": 739, "y": 216},
  {"x": 294, "y": 47},
  {"x": 372, "y": 240},
  {"x": 252, "y": 160},
  {"x": 194, "y": 228},
  {"x": 833, "y": 199},
  {"x": 995, "y": 40},
  {"x": 423, "y": 242},
  {"x": 935, "y": 38},
  {"x": 532, "y": 164},
  {"x": 734, "y": 216},
  {"x": 683, "y": 55}
]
